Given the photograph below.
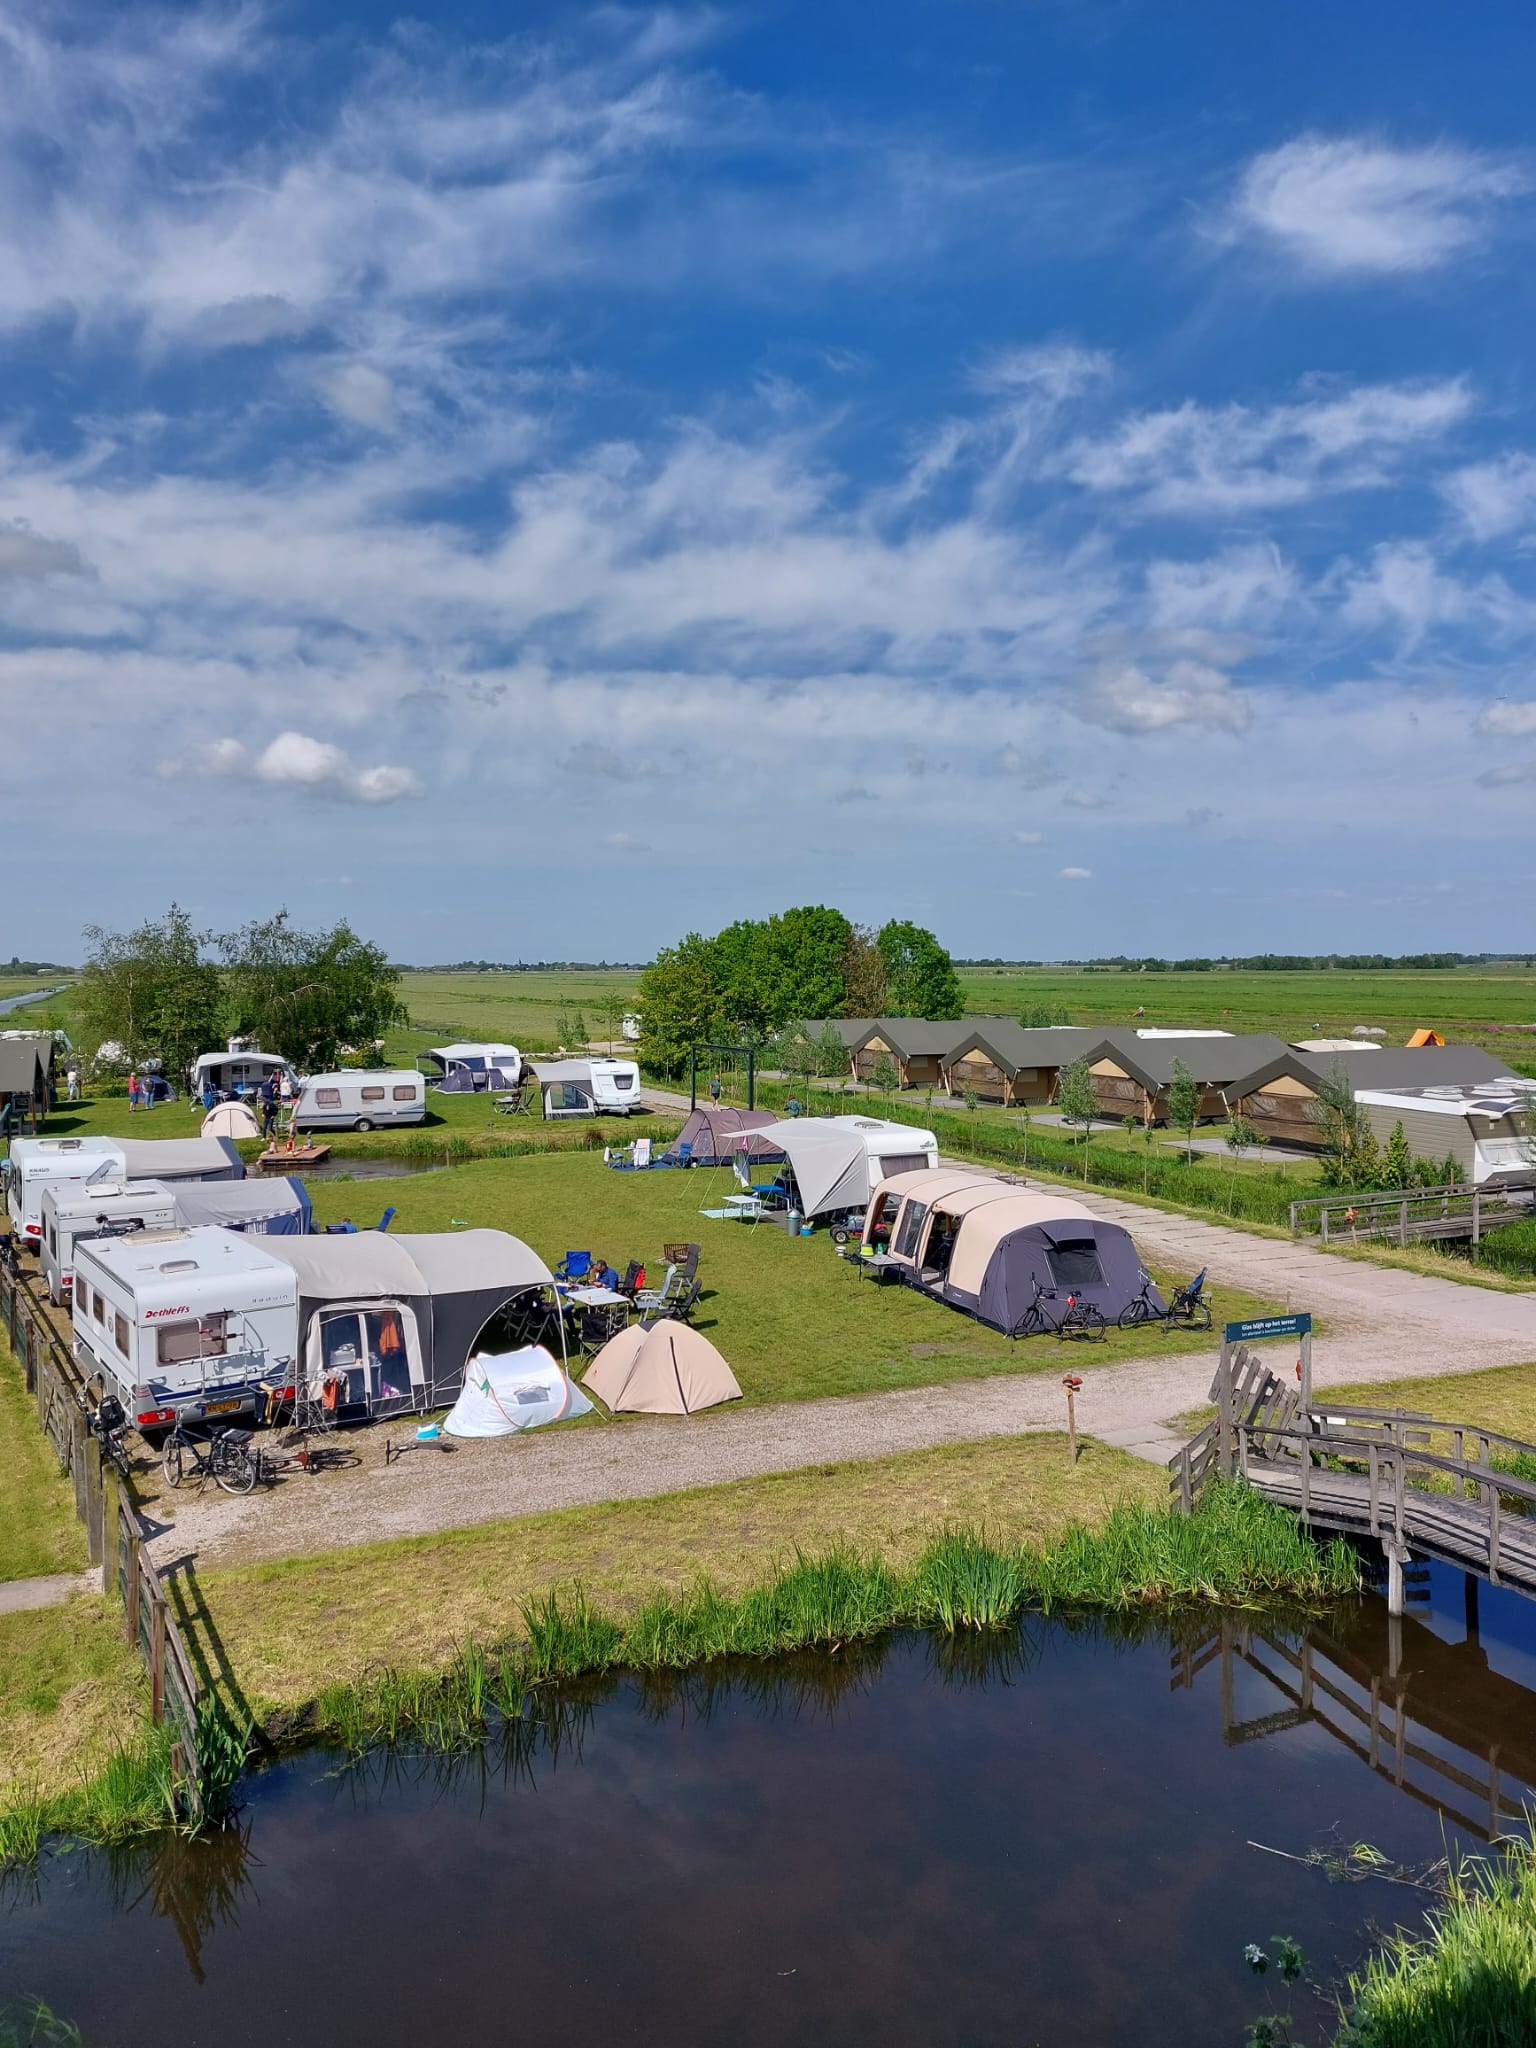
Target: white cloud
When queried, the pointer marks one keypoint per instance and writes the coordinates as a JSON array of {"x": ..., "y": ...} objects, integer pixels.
[
  {"x": 297, "y": 760},
  {"x": 1345, "y": 206},
  {"x": 1406, "y": 591},
  {"x": 1059, "y": 369},
  {"x": 1515, "y": 772},
  {"x": 1514, "y": 720},
  {"x": 1076, "y": 875},
  {"x": 361, "y": 394},
  {"x": 27, "y": 557},
  {"x": 1124, "y": 697},
  {"x": 625, "y": 842},
  {"x": 1239, "y": 587},
  {"x": 1494, "y": 498},
  {"x": 1030, "y": 838}
]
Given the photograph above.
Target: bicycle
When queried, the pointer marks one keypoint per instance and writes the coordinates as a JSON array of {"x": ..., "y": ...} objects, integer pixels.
[
  {"x": 225, "y": 1457},
  {"x": 310, "y": 1458},
  {"x": 1143, "y": 1309},
  {"x": 1078, "y": 1319},
  {"x": 1189, "y": 1306},
  {"x": 108, "y": 1423},
  {"x": 1082, "y": 1320}
]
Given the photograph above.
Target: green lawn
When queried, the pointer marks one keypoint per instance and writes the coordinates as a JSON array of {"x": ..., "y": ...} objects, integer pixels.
[
  {"x": 794, "y": 1320},
  {"x": 38, "y": 1530}
]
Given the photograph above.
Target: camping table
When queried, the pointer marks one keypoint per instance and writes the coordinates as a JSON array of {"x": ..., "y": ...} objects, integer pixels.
[
  {"x": 876, "y": 1264},
  {"x": 747, "y": 1207},
  {"x": 597, "y": 1297}
]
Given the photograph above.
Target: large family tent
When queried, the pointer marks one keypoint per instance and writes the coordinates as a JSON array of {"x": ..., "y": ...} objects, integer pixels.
[
  {"x": 390, "y": 1322},
  {"x": 668, "y": 1369},
  {"x": 837, "y": 1161},
  {"x": 717, "y": 1136},
  {"x": 276, "y": 1207},
  {"x": 507, "y": 1392},
  {"x": 474, "y": 1066},
  {"x": 985, "y": 1247}
]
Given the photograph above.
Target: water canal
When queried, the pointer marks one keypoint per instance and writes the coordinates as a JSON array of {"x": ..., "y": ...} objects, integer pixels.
[{"x": 1039, "y": 1838}]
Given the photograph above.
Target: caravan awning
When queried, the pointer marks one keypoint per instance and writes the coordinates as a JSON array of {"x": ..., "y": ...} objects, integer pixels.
[
  {"x": 831, "y": 1165},
  {"x": 181, "y": 1159},
  {"x": 24, "y": 1065}
]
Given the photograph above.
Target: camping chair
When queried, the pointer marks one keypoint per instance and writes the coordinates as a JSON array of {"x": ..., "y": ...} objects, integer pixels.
[
  {"x": 680, "y": 1306},
  {"x": 595, "y": 1326},
  {"x": 651, "y": 1298},
  {"x": 385, "y": 1220},
  {"x": 634, "y": 1279},
  {"x": 575, "y": 1266},
  {"x": 684, "y": 1255},
  {"x": 518, "y": 1103}
]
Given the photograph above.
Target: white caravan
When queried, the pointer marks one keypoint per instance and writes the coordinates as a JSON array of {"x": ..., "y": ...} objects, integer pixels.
[
  {"x": 184, "y": 1323},
  {"x": 104, "y": 1208},
  {"x": 589, "y": 1087},
  {"x": 358, "y": 1098},
  {"x": 239, "y": 1069},
  {"x": 37, "y": 1163},
  {"x": 477, "y": 1064}
]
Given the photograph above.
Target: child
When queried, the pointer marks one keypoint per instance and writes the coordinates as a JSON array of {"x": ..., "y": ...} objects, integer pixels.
[{"x": 134, "y": 1093}]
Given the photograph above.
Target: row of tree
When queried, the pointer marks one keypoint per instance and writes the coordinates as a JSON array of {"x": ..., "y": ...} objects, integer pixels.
[
  {"x": 168, "y": 992},
  {"x": 746, "y": 984}
]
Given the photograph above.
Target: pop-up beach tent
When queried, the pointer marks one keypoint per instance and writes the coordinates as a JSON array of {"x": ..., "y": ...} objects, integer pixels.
[
  {"x": 510, "y": 1391},
  {"x": 716, "y": 1136},
  {"x": 984, "y": 1247},
  {"x": 837, "y": 1161},
  {"x": 668, "y": 1369}
]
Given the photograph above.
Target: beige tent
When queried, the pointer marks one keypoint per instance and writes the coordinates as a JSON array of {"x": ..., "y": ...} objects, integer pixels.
[
  {"x": 666, "y": 1370},
  {"x": 230, "y": 1120}
]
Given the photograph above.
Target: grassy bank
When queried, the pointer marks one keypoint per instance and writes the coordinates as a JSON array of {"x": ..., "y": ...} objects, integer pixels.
[
  {"x": 38, "y": 1530},
  {"x": 71, "y": 1690}
]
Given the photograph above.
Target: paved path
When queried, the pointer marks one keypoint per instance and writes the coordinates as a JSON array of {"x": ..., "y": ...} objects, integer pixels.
[
  {"x": 1383, "y": 1323},
  {"x": 17, "y": 1595}
]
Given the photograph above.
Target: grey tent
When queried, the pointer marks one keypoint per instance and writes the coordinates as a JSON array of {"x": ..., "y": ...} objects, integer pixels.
[
  {"x": 181, "y": 1159},
  {"x": 837, "y": 1160},
  {"x": 276, "y": 1207},
  {"x": 717, "y": 1136},
  {"x": 390, "y": 1322},
  {"x": 24, "y": 1068}
]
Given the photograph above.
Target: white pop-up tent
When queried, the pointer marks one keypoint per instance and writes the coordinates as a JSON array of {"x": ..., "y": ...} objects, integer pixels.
[
  {"x": 509, "y": 1391},
  {"x": 838, "y": 1161}
]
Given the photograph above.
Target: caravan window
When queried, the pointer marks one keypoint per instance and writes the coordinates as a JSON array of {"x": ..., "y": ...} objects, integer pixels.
[
  {"x": 902, "y": 1162},
  {"x": 120, "y": 1333},
  {"x": 373, "y": 1095},
  {"x": 202, "y": 1337},
  {"x": 567, "y": 1095},
  {"x": 911, "y": 1229},
  {"x": 328, "y": 1098},
  {"x": 99, "y": 1310},
  {"x": 1075, "y": 1264},
  {"x": 405, "y": 1094}
]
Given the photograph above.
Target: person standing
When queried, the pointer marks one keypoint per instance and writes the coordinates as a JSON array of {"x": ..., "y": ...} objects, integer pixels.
[
  {"x": 72, "y": 1082},
  {"x": 714, "y": 1091},
  {"x": 268, "y": 1094},
  {"x": 135, "y": 1093}
]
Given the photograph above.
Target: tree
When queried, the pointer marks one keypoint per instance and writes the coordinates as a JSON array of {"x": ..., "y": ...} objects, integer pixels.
[
  {"x": 866, "y": 984},
  {"x": 831, "y": 1054},
  {"x": 305, "y": 994},
  {"x": 1038, "y": 1016},
  {"x": 1351, "y": 1155},
  {"x": 770, "y": 970},
  {"x": 883, "y": 1075},
  {"x": 1183, "y": 1098},
  {"x": 152, "y": 992},
  {"x": 1077, "y": 1102},
  {"x": 921, "y": 976},
  {"x": 1241, "y": 1138},
  {"x": 578, "y": 1029},
  {"x": 1397, "y": 1161},
  {"x": 679, "y": 1003}
]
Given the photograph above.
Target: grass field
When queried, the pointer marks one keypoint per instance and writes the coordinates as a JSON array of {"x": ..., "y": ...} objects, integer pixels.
[
  {"x": 793, "y": 1319},
  {"x": 38, "y": 1530},
  {"x": 71, "y": 1690}
]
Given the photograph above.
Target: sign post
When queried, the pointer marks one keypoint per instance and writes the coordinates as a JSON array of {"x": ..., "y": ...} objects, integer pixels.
[{"x": 1278, "y": 1326}]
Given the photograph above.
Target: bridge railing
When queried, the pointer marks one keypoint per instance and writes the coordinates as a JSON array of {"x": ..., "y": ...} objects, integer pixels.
[{"x": 1407, "y": 1215}]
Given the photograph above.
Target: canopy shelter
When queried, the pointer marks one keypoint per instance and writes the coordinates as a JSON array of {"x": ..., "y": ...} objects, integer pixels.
[
  {"x": 230, "y": 1120},
  {"x": 984, "y": 1246},
  {"x": 837, "y": 1161},
  {"x": 668, "y": 1369},
  {"x": 180, "y": 1159},
  {"x": 474, "y": 1065},
  {"x": 388, "y": 1323},
  {"x": 717, "y": 1136},
  {"x": 25, "y": 1064},
  {"x": 275, "y": 1207}
]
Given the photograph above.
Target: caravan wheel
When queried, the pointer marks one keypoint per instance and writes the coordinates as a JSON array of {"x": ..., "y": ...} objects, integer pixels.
[
  {"x": 841, "y": 1233},
  {"x": 364, "y": 1123}
]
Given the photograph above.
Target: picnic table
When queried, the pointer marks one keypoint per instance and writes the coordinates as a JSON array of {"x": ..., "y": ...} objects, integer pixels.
[
  {"x": 595, "y": 1297},
  {"x": 876, "y": 1264}
]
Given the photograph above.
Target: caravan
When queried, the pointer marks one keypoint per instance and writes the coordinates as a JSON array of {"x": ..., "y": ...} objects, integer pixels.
[
  {"x": 473, "y": 1067},
  {"x": 359, "y": 1099},
  {"x": 183, "y": 1324},
  {"x": 239, "y": 1070},
  {"x": 37, "y": 1163},
  {"x": 72, "y": 1213},
  {"x": 590, "y": 1087}
]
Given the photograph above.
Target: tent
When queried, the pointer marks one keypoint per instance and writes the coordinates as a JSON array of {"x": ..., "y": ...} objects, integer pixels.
[
  {"x": 509, "y": 1391},
  {"x": 230, "y": 1120},
  {"x": 838, "y": 1160},
  {"x": 982, "y": 1246},
  {"x": 718, "y": 1136},
  {"x": 274, "y": 1207},
  {"x": 180, "y": 1159},
  {"x": 391, "y": 1321},
  {"x": 668, "y": 1369}
]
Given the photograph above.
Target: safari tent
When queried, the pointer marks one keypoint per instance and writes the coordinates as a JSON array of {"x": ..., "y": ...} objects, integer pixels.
[
  {"x": 999, "y": 1061},
  {"x": 837, "y": 1161},
  {"x": 1280, "y": 1099},
  {"x": 391, "y": 1321},
  {"x": 717, "y": 1136},
  {"x": 915, "y": 1046},
  {"x": 984, "y": 1246},
  {"x": 668, "y": 1369},
  {"x": 1132, "y": 1070}
]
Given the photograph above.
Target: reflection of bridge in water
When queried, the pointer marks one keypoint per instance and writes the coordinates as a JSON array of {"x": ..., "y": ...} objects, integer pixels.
[{"x": 1429, "y": 1715}]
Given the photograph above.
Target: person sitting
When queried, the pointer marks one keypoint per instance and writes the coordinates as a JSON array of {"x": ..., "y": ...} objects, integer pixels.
[{"x": 603, "y": 1275}]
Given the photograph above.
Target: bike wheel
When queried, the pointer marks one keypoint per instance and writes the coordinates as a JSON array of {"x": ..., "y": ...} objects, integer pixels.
[
  {"x": 1091, "y": 1324},
  {"x": 1134, "y": 1312},
  {"x": 170, "y": 1461},
  {"x": 1030, "y": 1324},
  {"x": 1200, "y": 1316},
  {"x": 235, "y": 1469}
]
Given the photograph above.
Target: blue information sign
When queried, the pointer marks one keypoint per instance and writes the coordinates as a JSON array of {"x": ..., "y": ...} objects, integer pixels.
[{"x": 1269, "y": 1326}]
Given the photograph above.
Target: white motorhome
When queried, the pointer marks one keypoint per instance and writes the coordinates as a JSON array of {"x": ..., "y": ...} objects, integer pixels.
[
  {"x": 104, "y": 1208},
  {"x": 358, "y": 1098},
  {"x": 37, "y": 1163},
  {"x": 184, "y": 1323},
  {"x": 588, "y": 1087}
]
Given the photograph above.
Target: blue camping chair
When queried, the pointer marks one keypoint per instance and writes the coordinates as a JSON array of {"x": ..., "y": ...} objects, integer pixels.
[
  {"x": 385, "y": 1220},
  {"x": 683, "y": 1156},
  {"x": 574, "y": 1266}
]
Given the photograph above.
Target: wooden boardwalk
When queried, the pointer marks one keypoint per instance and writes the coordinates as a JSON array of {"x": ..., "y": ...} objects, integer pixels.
[{"x": 1417, "y": 1485}]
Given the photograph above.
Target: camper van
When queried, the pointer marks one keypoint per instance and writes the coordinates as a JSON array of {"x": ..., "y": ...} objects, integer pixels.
[
  {"x": 36, "y": 1163},
  {"x": 359, "y": 1098},
  {"x": 103, "y": 1208},
  {"x": 183, "y": 1324},
  {"x": 588, "y": 1087}
]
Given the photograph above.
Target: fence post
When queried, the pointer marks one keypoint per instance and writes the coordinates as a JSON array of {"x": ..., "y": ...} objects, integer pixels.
[
  {"x": 157, "y": 1661},
  {"x": 111, "y": 1513},
  {"x": 1325, "y": 1222},
  {"x": 95, "y": 1501},
  {"x": 1402, "y": 1222},
  {"x": 1477, "y": 1216},
  {"x": 1224, "y": 1412},
  {"x": 131, "y": 1604}
]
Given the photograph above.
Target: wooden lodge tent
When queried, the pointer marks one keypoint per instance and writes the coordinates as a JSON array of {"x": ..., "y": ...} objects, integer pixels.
[
  {"x": 1000, "y": 1061},
  {"x": 986, "y": 1247},
  {"x": 917, "y": 1048},
  {"x": 1280, "y": 1098},
  {"x": 1132, "y": 1069}
]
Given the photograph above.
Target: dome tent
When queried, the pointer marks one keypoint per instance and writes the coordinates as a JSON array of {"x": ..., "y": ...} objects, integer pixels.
[
  {"x": 510, "y": 1391},
  {"x": 668, "y": 1369}
]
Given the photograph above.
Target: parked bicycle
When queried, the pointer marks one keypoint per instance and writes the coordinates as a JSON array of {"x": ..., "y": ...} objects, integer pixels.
[
  {"x": 271, "y": 1464},
  {"x": 224, "y": 1455},
  {"x": 1078, "y": 1319},
  {"x": 1190, "y": 1306},
  {"x": 108, "y": 1423}
]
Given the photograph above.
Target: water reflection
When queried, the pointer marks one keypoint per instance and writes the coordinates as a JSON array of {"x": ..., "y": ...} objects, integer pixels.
[{"x": 197, "y": 1886}]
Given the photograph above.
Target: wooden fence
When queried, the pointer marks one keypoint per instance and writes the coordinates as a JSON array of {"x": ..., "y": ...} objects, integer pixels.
[
  {"x": 1406, "y": 1216},
  {"x": 113, "y": 1531}
]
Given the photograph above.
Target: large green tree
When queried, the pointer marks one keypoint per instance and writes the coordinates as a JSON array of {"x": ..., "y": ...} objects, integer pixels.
[
  {"x": 305, "y": 994},
  {"x": 921, "y": 979},
  {"x": 152, "y": 991},
  {"x": 679, "y": 1002},
  {"x": 866, "y": 984}
]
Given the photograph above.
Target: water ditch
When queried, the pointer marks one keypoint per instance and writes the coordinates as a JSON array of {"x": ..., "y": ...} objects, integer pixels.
[{"x": 1037, "y": 1835}]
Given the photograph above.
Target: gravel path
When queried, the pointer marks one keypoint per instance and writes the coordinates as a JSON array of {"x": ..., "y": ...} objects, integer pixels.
[{"x": 1382, "y": 1324}]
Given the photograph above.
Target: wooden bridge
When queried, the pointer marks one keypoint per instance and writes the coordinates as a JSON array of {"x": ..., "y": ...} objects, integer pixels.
[
  {"x": 1418, "y": 1486},
  {"x": 1411, "y": 1215}
]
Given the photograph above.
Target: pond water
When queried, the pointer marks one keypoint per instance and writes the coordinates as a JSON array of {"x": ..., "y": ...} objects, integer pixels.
[
  {"x": 366, "y": 1166},
  {"x": 1039, "y": 1837}
]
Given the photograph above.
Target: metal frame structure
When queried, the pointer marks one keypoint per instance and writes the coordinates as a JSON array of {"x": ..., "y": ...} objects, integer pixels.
[{"x": 706, "y": 1045}]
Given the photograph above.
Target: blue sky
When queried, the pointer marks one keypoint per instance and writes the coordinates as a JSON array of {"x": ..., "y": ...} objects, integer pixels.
[{"x": 1062, "y": 472}]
